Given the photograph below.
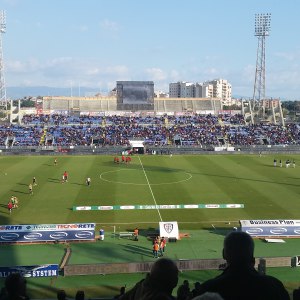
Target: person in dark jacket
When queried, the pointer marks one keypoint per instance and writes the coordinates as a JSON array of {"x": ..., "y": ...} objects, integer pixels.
[
  {"x": 159, "y": 283},
  {"x": 240, "y": 280},
  {"x": 15, "y": 285}
]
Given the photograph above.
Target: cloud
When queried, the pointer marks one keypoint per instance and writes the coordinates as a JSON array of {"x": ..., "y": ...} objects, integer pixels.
[
  {"x": 211, "y": 72},
  {"x": 109, "y": 25},
  {"x": 174, "y": 75},
  {"x": 12, "y": 2},
  {"x": 155, "y": 74},
  {"x": 281, "y": 81},
  {"x": 83, "y": 28},
  {"x": 60, "y": 71},
  {"x": 288, "y": 55},
  {"x": 17, "y": 66},
  {"x": 119, "y": 70}
]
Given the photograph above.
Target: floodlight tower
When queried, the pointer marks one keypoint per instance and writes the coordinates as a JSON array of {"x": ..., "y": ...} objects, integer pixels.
[
  {"x": 262, "y": 30},
  {"x": 3, "y": 99}
]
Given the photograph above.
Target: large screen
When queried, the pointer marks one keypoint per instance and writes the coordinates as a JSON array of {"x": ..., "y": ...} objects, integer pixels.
[{"x": 135, "y": 92}]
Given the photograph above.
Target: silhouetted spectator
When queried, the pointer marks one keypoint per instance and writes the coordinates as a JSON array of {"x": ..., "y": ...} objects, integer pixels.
[
  {"x": 209, "y": 296},
  {"x": 296, "y": 294},
  {"x": 61, "y": 295},
  {"x": 122, "y": 292},
  {"x": 159, "y": 283},
  {"x": 79, "y": 295},
  {"x": 196, "y": 290},
  {"x": 240, "y": 280},
  {"x": 183, "y": 291},
  {"x": 15, "y": 285},
  {"x": 3, "y": 293}
]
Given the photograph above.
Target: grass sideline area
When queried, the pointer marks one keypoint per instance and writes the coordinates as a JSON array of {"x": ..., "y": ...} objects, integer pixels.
[
  {"x": 266, "y": 192},
  {"x": 201, "y": 243}
]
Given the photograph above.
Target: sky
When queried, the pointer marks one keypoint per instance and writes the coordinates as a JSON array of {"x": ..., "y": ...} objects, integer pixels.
[{"x": 94, "y": 43}]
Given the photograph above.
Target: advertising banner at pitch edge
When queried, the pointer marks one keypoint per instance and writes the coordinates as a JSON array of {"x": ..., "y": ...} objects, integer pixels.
[
  {"x": 47, "y": 232},
  {"x": 267, "y": 228},
  {"x": 31, "y": 271}
]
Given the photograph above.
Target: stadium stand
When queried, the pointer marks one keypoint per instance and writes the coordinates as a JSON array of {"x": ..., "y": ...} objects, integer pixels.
[{"x": 162, "y": 130}]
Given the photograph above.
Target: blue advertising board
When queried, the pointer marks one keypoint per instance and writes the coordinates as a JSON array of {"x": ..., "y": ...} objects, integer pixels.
[
  {"x": 271, "y": 228},
  {"x": 31, "y": 271},
  {"x": 47, "y": 232}
]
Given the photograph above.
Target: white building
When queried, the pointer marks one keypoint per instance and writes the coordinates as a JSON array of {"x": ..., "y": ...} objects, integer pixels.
[
  {"x": 181, "y": 90},
  {"x": 218, "y": 88},
  {"x": 221, "y": 89},
  {"x": 161, "y": 94}
]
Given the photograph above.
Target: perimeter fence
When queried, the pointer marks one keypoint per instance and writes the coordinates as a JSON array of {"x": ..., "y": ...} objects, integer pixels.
[{"x": 150, "y": 150}]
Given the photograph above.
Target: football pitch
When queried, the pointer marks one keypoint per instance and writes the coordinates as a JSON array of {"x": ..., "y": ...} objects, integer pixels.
[
  {"x": 158, "y": 183},
  {"x": 266, "y": 192}
]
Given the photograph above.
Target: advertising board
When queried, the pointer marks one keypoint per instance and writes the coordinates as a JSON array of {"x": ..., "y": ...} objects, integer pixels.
[
  {"x": 271, "y": 228},
  {"x": 31, "y": 271},
  {"x": 47, "y": 232}
]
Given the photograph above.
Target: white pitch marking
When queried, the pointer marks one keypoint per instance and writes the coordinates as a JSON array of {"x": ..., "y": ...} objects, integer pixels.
[
  {"x": 150, "y": 189},
  {"x": 132, "y": 183},
  {"x": 142, "y": 222}
]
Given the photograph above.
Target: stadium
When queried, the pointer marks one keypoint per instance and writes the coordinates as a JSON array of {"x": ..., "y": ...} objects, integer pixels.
[{"x": 195, "y": 173}]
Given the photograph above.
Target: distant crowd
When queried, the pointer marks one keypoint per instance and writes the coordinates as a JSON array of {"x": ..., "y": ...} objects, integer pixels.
[{"x": 192, "y": 130}]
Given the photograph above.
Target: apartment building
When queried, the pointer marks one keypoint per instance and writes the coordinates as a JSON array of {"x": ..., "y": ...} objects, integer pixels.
[
  {"x": 221, "y": 89},
  {"x": 218, "y": 88},
  {"x": 181, "y": 90}
]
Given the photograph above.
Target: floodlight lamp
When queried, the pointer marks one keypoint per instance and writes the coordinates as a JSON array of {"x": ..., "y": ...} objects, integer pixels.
[{"x": 2, "y": 21}]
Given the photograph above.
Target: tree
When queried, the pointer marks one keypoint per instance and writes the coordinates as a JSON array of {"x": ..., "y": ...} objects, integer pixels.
[{"x": 27, "y": 103}]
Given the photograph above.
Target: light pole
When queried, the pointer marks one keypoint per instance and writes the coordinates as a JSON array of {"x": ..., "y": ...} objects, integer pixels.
[
  {"x": 3, "y": 99},
  {"x": 262, "y": 30}
]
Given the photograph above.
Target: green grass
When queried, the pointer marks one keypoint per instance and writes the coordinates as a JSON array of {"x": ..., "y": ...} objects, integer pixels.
[{"x": 266, "y": 192}]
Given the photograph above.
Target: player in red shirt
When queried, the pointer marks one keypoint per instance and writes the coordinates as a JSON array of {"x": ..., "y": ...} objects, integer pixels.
[
  {"x": 9, "y": 206},
  {"x": 66, "y": 175}
]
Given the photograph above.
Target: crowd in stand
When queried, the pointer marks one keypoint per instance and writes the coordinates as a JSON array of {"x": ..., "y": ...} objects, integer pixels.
[
  {"x": 191, "y": 130},
  {"x": 238, "y": 281}
]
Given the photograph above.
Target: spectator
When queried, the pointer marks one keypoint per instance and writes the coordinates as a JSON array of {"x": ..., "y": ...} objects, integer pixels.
[
  {"x": 136, "y": 234},
  {"x": 158, "y": 285},
  {"x": 183, "y": 291},
  {"x": 196, "y": 290},
  {"x": 15, "y": 285},
  {"x": 122, "y": 292},
  {"x": 240, "y": 280},
  {"x": 3, "y": 293},
  {"x": 79, "y": 295},
  {"x": 61, "y": 295},
  {"x": 296, "y": 294},
  {"x": 209, "y": 296}
]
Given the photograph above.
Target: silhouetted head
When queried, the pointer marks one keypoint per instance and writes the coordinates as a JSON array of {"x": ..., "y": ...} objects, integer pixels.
[
  {"x": 186, "y": 283},
  {"x": 197, "y": 285},
  {"x": 164, "y": 274},
  {"x": 15, "y": 285},
  {"x": 238, "y": 248},
  {"x": 61, "y": 295},
  {"x": 79, "y": 295},
  {"x": 209, "y": 296}
]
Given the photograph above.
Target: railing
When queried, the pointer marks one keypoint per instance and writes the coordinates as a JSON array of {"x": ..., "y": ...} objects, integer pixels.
[{"x": 183, "y": 265}]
